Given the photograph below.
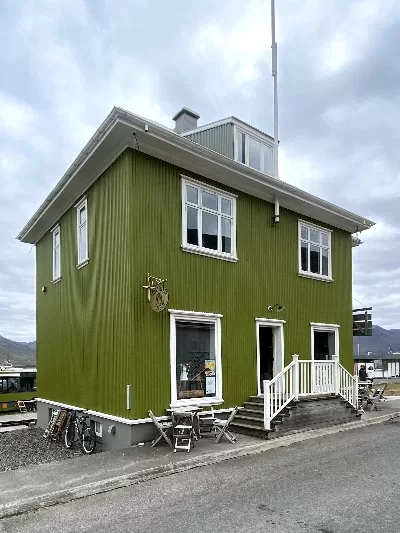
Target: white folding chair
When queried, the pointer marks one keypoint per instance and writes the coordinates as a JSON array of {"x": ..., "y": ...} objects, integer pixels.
[
  {"x": 183, "y": 430},
  {"x": 222, "y": 426},
  {"x": 163, "y": 427}
]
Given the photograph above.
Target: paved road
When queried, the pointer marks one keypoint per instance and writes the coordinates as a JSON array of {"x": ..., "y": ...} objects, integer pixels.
[{"x": 349, "y": 482}]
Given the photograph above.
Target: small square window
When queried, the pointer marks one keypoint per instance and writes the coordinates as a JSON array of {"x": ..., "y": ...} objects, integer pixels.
[{"x": 98, "y": 428}]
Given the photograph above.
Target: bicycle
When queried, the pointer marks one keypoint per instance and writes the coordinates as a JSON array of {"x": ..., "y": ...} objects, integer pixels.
[{"x": 77, "y": 427}]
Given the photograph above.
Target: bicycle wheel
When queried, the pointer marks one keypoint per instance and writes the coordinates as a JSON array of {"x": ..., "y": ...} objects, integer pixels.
[
  {"x": 88, "y": 441},
  {"x": 69, "y": 435}
]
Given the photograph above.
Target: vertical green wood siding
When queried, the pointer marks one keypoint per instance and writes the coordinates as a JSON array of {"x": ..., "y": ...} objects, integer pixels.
[{"x": 96, "y": 331}]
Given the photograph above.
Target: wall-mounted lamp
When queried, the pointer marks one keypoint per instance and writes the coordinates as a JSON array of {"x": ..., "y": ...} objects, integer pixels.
[{"x": 280, "y": 308}]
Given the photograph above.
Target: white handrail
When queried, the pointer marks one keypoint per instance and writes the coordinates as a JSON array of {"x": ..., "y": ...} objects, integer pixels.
[
  {"x": 278, "y": 392},
  {"x": 348, "y": 386},
  {"x": 305, "y": 378}
]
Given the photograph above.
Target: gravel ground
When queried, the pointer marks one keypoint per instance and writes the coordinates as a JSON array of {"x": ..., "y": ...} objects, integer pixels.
[{"x": 28, "y": 447}]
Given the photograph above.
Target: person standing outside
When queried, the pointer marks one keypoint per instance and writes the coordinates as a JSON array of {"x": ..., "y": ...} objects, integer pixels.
[{"x": 362, "y": 373}]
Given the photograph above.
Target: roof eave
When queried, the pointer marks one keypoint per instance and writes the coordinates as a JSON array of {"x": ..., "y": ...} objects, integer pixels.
[{"x": 221, "y": 168}]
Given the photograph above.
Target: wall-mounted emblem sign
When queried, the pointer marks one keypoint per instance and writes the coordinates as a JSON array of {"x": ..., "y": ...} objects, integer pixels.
[{"x": 157, "y": 294}]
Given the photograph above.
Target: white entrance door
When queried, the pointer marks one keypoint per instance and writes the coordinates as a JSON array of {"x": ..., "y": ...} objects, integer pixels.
[
  {"x": 324, "y": 344},
  {"x": 270, "y": 349}
]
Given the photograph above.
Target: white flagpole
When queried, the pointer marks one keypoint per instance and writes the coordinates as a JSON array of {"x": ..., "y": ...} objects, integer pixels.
[{"x": 275, "y": 76}]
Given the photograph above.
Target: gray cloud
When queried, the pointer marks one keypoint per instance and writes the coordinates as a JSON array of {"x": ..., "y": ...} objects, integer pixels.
[{"x": 68, "y": 63}]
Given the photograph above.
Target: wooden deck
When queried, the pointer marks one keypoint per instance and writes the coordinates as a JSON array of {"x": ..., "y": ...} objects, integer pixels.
[{"x": 18, "y": 419}]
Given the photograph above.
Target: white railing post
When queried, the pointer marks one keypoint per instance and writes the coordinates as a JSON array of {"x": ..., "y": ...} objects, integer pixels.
[
  {"x": 267, "y": 404},
  {"x": 296, "y": 377},
  {"x": 335, "y": 374},
  {"x": 313, "y": 384},
  {"x": 355, "y": 392}
]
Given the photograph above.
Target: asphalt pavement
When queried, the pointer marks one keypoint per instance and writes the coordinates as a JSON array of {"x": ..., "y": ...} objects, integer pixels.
[{"x": 345, "y": 482}]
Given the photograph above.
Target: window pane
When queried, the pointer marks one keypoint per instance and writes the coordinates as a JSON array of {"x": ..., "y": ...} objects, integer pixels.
[
  {"x": 304, "y": 232},
  {"x": 254, "y": 153},
  {"x": 56, "y": 263},
  {"x": 195, "y": 360},
  {"x": 268, "y": 160},
  {"x": 210, "y": 231},
  {"x": 57, "y": 239},
  {"x": 324, "y": 261},
  {"x": 192, "y": 194},
  {"x": 325, "y": 239},
  {"x": 226, "y": 206},
  {"x": 210, "y": 201},
  {"x": 314, "y": 236},
  {"x": 192, "y": 229},
  {"x": 82, "y": 215},
  {"x": 304, "y": 256},
  {"x": 241, "y": 147},
  {"x": 314, "y": 259},
  {"x": 226, "y": 225},
  {"x": 82, "y": 242}
]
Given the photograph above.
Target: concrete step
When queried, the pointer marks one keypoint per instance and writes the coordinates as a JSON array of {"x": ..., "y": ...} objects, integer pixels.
[
  {"x": 250, "y": 429},
  {"x": 254, "y": 406},
  {"x": 257, "y": 413},
  {"x": 241, "y": 419}
]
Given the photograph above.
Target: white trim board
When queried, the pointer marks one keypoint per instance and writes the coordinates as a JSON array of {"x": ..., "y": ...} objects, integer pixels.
[{"x": 112, "y": 418}]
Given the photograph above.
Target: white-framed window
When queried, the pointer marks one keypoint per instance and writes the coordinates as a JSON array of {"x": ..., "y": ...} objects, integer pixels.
[
  {"x": 195, "y": 346},
  {"x": 56, "y": 253},
  {"x": 208, "y": 220},
  {"x": 315, "y": 251},
  {"x": 98, "y": 428},
  {"x": 254, "y": 152},
  {"x": 82, "y": 232}
]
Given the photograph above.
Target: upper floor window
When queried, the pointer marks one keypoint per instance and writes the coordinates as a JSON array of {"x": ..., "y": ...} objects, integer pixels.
[
  {"x": 209, "y": 220},
  {"x": 82, "y": 232},
  {"x": 254, "y": 153},
  {"x": 56, "y": 253},
  {"x": 315, "y": 251}
]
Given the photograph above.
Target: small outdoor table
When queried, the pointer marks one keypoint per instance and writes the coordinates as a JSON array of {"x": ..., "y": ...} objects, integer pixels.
[{"x": 186, "y": 416}]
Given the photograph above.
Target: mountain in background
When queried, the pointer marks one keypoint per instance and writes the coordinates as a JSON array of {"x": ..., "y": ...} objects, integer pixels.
[
  {"x": 18, "y": 353},
  {"x": 381, "y": 341}
]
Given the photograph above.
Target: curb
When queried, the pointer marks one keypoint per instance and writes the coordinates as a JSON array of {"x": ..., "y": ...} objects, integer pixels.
[{"x": 98, "y": 487}]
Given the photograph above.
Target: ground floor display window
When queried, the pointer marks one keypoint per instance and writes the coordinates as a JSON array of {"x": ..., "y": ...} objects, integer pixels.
[{"x": 195, "y": 357}]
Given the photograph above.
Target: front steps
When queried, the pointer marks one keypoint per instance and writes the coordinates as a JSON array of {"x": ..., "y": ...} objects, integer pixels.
[{"x": 312, "y": 412}]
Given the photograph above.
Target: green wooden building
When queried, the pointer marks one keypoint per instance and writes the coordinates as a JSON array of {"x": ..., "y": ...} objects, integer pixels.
[{"x": 257, "y": 270}]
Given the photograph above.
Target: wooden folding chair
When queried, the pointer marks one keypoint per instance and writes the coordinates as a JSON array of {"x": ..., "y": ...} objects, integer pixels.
[
  {"x": 163, "y": 427},
  {"x": 222, "y": 426},
  {"x": 376, "y": 397}
]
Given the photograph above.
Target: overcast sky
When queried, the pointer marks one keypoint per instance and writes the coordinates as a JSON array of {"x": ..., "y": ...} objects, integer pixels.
[{"x": 66, "y": 63}]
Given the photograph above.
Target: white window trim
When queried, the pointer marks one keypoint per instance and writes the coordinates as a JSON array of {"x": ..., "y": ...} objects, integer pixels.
[
  {"x": 258, "y": 138},
  {"x": 82, "y": 261},
  {"x": 200, "y": 249},
  {"x": 200, "y": 317},
  {"x": 307, "y": 274},
  {"x": 100, "y": 432},
  {"x": 317, "y": 326},
  {"x": 56, "y": 231},
  {"x": 279, "y": 345}
]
